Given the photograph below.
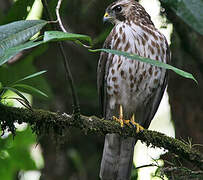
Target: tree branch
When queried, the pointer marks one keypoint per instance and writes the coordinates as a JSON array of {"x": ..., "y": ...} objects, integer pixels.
[{"x": 45, "y": 122}]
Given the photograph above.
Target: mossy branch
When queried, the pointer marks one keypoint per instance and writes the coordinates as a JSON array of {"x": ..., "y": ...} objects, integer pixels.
[{"x": 43, "y": 121}]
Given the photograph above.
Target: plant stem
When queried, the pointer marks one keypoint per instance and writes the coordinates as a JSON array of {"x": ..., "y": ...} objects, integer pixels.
[{"x": 69, "y": 77}]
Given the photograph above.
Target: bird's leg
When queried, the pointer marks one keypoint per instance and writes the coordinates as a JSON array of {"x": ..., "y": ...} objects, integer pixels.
[
  {"x": 136, "y": 125},
  {"x": 132, "y": 122},
  {"x": 120, "y": 119}
]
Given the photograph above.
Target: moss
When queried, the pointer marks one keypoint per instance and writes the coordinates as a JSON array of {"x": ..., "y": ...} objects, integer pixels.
[{"x": 56, "y": 125}]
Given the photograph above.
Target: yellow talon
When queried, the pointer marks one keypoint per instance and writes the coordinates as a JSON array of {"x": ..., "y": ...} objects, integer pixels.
[
  {"x": 120, "y": 119},
  {"x": 138, "y": 127},
  {"x": 128, "y": 122}
]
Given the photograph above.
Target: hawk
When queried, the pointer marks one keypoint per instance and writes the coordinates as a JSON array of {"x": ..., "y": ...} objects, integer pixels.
[{"x": 130, "y": 91}]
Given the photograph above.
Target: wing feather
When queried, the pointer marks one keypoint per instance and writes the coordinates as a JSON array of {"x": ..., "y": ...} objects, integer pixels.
[
  {"x": 102, "y": 70},
  {"x": 155, "y": 101}
]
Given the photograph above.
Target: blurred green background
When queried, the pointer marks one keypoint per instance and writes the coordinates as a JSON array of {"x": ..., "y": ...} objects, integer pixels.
[{"x": 78, "y": 157}]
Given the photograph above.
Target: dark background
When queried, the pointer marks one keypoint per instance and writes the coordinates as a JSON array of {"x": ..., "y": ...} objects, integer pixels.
[{"x": 79, "y": 156}]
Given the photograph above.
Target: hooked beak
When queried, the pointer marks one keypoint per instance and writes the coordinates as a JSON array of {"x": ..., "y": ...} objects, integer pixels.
[{"x": 106, "y": 17}]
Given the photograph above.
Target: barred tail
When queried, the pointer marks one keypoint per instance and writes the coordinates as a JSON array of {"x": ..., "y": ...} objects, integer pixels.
[{"x": 117, "y": 158}]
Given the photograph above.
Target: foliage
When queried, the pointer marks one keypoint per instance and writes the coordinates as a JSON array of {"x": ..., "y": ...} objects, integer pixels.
[
  {"x": 13, "y": 43},
  {"x": 15, "y": 154},
  {"x": 15, "y": 34},
  {"x": 189, "y": 11},
  {"x": 23, "y": 76},
  {"x": 21, "y": 70},
  {"x": 15, "y": 87}
]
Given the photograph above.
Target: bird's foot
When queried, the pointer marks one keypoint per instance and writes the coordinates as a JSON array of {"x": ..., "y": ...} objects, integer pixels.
[
  {"x": 135, "y": 125},
  {"x": 120, "y": 119},
  {"x": 130, "y": 122}
]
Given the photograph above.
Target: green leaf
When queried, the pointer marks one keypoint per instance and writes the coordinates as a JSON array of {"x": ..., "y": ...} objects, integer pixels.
[
  {"x": 19, "y": 31},
  {"x": 11, "y": 52},
  {"x": 29, "y": 89},
  {"x": 191, "y": 12},
  {"x": 19, "y": 94},
  {"x": 61, "y": 36},
  {"x": 26, "y": 66},
  {"x": 147, "y": 60},
  {"x": 16, "y": 33},
  {"x": 19, "y": 149},
  {"x": 16, "y": 154},
  {"x": 30, "y": 76}
]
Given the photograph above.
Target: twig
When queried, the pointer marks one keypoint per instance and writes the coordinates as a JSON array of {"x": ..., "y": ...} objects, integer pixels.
[
  {"x": 65, "y": 59},
  {"x": 61, "y": 24},
  {"x": 181, "y": 173},
  {"x": 58, "y": 16},
  {"x": 50, "y": 122},
  {"x": 147, "y": 165},
  {"x": 186, "y": 170}
]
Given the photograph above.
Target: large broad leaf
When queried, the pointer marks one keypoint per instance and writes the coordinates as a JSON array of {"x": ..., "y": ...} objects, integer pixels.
[
  {"x": 19, "y": 30},
  {"x": 150, "y": 61},
  {"x": 190, "y": 11},
  {"x": 16, "y": 33}
]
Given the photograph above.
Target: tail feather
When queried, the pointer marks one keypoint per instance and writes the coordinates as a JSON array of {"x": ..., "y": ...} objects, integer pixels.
[{"x": 117, "y": 158}]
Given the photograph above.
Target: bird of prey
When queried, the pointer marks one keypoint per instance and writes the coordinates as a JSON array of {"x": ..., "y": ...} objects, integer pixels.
[{"x": 130, "y": 91}]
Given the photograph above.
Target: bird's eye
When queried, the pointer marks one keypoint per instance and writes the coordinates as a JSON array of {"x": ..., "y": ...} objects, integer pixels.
[{"x": 117, "y": 8}]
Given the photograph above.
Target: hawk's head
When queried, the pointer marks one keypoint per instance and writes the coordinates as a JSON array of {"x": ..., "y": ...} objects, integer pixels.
[{"x": 126, "y": 10}]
